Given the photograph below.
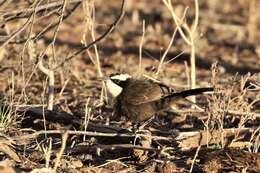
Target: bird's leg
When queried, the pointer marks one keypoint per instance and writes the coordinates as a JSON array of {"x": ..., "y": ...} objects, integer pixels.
[
  {"x": 142, "y": 134},
  {"x": 146, "y": 123},
  {"x": 142, "y": 139},
  {"x": 140, "y": 128}
]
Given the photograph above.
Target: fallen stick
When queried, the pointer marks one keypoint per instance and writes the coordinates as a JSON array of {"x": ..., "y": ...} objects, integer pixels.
[{"x": 189, "y": 140}]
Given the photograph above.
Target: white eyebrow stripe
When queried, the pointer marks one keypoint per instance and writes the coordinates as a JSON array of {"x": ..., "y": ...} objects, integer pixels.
[{"x": 121, "y": 77}]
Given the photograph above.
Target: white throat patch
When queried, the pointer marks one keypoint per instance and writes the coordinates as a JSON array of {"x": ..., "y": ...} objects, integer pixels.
[{"x": 113, "y": 88}]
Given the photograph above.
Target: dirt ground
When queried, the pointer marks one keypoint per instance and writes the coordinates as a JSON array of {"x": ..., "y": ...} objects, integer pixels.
[{"x": 79, "y": 135}]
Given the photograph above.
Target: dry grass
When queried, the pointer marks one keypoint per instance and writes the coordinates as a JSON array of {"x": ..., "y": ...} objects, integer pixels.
[{"x": 54, "y": 111}]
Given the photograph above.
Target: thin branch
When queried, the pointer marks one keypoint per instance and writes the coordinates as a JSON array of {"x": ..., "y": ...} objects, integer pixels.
[
  {"x": 166, "y": 52},
  {"x": 17, "y": 32},
  {"x": 59, "y": 22},
  {"x": 109, "y": 30},
  {"x": 196, "y": 20},
  {"x": 48, "y": 27},
  {"x": 188, "y": 38},
  {"x": 27, "y": 12},
  {"x": 59, "y": 155},
  {"x": 87, "y": 133},
  {"x": 194, "y": 159},
  {"x": 50, "y": 74},
  {"x": 178, "y": 21}
]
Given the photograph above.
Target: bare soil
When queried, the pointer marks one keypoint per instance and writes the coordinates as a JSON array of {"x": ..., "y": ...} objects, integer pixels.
[{"x": 222, "y": 136}]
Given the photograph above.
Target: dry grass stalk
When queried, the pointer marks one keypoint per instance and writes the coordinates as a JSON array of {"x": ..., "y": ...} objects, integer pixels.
[
  {"x": 50, "y": 74},
  {"x": 17, "y": 32},
  {"x": 188, "y": 39},
  {"x": 36, "y": 9},
  {"x": 227, "y": 102},
  {"x": 87, "y": 116},
  {"x": 140, "y": 71},
  {"x": 7, "y": 147},
  {"x": 113, "y": 161},
  {"x": 89, "y": 11},
  {"x": 59, "y": 155},
  {"x": 47, "y": 153},
  {"x": 255, "y": 141},
  {"x": 187, "y": 73},
  {"x": 166, "y": 51},
  {"x": 194, "y": 159},
  {"x": 101, "y": 37},
  {"x": 6, "y": 109}
]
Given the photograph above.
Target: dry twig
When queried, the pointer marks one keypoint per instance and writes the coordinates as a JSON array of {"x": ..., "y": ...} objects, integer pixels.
[{"x": 101, "y": 37}]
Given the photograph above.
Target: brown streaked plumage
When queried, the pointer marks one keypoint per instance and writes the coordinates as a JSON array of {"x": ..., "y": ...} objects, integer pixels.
[{"x": 140, "y": 99}]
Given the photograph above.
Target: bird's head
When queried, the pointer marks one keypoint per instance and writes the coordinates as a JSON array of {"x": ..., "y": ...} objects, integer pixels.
[{"x": 116, "y": 82}]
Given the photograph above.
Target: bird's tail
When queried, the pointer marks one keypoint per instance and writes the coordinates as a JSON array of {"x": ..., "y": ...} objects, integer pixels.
[{"x": 190, "y": 92}]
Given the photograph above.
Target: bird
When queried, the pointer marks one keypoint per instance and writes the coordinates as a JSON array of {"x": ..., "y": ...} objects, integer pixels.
[{"x": 139, "y": 99}]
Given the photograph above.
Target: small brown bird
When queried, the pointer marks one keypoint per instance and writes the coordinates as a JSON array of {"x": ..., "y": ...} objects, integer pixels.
[{"x": 140, "y": 99}]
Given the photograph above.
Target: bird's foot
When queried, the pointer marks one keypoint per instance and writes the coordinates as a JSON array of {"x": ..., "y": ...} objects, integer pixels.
[{"x": 146, "y": 123}]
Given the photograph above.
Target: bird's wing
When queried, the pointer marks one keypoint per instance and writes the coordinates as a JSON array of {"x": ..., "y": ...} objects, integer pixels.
[{"x": 145, "y": 92}]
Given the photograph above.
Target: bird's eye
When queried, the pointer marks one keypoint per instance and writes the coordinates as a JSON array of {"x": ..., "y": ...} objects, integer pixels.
[{"x": 116, "y": 81}]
